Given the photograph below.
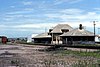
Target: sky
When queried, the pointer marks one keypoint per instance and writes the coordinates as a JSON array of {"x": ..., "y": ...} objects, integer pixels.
[{"x": 21, "y": 18}]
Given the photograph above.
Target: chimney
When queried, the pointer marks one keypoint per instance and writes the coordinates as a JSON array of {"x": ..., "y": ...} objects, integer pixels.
[
  {"x": 50, "y": 30},
  {"x": 80, "y": 27}
]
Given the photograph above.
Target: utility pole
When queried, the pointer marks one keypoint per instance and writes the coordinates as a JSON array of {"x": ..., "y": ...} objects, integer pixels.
[
  {"x": 52, "y": 37},
  {"x": 94, "y": 30}
]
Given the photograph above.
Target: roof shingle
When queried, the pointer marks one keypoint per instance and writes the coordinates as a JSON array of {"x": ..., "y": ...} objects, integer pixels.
[
  {"x": 78, "y": 32},
  {"x": 59, "y": 27},
  {"x": 43, "y": 35}
]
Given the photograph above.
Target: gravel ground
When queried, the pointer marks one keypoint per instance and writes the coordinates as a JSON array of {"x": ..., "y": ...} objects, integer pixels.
[{"x": 21, "y": 55}]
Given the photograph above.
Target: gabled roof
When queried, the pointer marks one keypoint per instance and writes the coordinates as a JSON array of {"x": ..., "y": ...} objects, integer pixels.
[
  {"x": 78, "y": 32},
  {"x": 59, "y": 27},
  {"x": 43, "y": 35}
]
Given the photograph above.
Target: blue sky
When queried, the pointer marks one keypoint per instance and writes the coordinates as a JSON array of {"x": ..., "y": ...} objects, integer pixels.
[{"x": 21, "y": 18}]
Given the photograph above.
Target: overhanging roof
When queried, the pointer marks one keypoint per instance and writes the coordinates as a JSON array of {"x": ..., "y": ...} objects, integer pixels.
[
  {"x": 43, "y": 35},
  {"x": 78, "y": 32},
  {"x": 59, "y": 27}
]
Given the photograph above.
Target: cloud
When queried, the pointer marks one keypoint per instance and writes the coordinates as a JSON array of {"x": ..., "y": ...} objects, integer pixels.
[
  {"x": 12, "y": 6},
  {"x": 20, "y": 11},
  {"x": 75, "y": 1},
  {"x": 2, "y": 25},
  {"x": 25, "y": 13},
  {"x": 18, "y": 14},
  {"x": 74, "y": 15},
  {"x": 35, "y": 28},
  {"x": 86, "y": 24},
  {"x": 72, "y": 11},
  {"x": 97, "y": 9},
  {"x": 42, "y": 5},
  {"x": 27, "y": 2},
  {"x": 28, "y": 9},
  {"x": 65, "y": 13},
  {"x": 8, "y": 19},
  {"x": 64, "y": 1},
  {"x": 39, "y": 25},
  {"x": 47, "y": 25},
  {"x": 12, "y": 17}
]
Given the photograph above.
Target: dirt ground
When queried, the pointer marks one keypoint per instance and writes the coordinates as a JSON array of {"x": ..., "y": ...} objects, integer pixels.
[{"x": 21, "y": 55}]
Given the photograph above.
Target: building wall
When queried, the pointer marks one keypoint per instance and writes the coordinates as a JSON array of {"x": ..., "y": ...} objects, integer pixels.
[
  {"x": 42, "y": 40},
  {"x": 76, "y": 39}
]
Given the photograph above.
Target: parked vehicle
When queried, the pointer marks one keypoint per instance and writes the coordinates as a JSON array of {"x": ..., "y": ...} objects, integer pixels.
[{"x": 3, "y": 39}]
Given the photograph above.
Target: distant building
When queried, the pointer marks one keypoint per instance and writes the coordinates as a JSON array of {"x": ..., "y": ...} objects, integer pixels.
[
  {"x": 29, "y": 38},
  {"x": 65, "y": 34},
  {"x": 53, "y": 36},
  {"x": 17, "y": 40},
  {"x": 97, "y": 39}
]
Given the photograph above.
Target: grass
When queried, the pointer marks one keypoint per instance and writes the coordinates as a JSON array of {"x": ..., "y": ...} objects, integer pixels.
[
  {"x": 90, "y": 59},
  {"x": 95, "y": 54},
  {"x": 78, "y": 53}
]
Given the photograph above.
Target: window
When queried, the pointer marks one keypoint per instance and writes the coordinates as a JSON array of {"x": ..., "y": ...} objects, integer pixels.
[{"x": 64, "y": 30}]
